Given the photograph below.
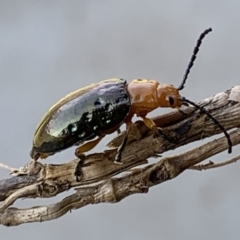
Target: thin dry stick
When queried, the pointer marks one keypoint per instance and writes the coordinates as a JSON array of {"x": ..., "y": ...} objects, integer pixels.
[
  {"x": 211, "y": 164},
  {"x": 11, "y": 169},
  {"x": 18, "y": 194},
  {"x": 115, "y": 189}
]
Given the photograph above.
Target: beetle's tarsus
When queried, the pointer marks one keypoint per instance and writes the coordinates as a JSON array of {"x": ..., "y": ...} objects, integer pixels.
[
  {"x": 119, "y": 131},
  {"x": 118, "y": 157},
  {"x": 78, "y": 173},
  {"x": 78, "y": 170},
  {"x": 160, "y": 133},
  {"x": 183, "y": 129}
]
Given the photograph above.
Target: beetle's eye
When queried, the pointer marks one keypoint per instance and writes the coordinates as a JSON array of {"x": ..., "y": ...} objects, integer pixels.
[{"x": 171, "y": 100}]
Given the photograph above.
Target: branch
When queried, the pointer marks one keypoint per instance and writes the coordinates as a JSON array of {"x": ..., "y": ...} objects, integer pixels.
[
  {"x": 211, "y": 164},
  {"x": 99, "y": 169}
]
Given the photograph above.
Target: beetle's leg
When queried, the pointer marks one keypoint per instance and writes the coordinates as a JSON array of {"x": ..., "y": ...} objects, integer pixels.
[
  {"x": 88, "y": 146},
  {"x": 78, "y": 169},
  {"x": 44, "y": 155},
  {"x": 79, "y": 153},
  {"x": 157, "y": 131},
  {"x": 35, "y": 155},
  {"x": 123, "y": 144},
  {"x": 118, "y": 131}
]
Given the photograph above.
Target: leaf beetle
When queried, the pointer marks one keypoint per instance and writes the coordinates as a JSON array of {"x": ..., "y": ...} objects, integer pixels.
[{"x": 85, "y": 116}]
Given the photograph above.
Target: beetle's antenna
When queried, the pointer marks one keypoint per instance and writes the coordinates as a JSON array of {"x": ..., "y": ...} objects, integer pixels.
[
  {"x": 194, "y": 56},
  {"x": 204, "y": 111}
]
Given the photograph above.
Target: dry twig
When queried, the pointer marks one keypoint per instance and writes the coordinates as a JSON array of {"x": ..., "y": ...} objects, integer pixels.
[
  {"x": 99, "y": 169},
  {"x": 211, "y": 164}
]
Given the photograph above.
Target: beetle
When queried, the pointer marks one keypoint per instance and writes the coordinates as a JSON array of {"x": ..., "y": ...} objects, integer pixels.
[{"x": 85, "y": 116}]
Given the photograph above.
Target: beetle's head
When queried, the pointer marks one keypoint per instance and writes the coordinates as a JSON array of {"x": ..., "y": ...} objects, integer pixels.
[{"x": 169, "y": 96}]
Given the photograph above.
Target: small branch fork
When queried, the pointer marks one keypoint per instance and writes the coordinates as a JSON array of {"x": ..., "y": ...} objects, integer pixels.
[
  {"x": 211, "y": 164},
  {"x": 99, "y": 170}
]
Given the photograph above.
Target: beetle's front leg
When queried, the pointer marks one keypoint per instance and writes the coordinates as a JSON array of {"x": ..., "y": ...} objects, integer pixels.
[
  {"x": 157, "y": 131},
  {"x": 160, "y": 133}
]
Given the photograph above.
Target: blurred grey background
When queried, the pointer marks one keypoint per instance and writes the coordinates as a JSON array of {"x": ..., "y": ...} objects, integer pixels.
[{"x": 50, "y": 48}]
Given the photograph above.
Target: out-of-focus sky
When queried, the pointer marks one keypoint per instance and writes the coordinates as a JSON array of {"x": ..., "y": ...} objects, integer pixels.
[{"x": 50, "y": 48}]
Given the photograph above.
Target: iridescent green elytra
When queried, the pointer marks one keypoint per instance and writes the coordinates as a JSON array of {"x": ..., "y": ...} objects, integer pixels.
[{"x": 95, "y": 110}]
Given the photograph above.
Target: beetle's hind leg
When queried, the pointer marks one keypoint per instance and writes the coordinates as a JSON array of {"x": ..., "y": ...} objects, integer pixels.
[
  {"x": 88, "y": 146},
  {"x": 79, "y": 153},
  {"x": 157, "y": 131},
  {"x": 78, "y": 170}
]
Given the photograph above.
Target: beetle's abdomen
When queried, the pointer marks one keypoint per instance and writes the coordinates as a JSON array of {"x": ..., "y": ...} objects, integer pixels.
[{"x": 90, "y": 113}]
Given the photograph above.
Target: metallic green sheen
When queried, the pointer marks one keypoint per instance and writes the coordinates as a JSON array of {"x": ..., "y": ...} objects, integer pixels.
[{"x": 83, "y": 115}]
